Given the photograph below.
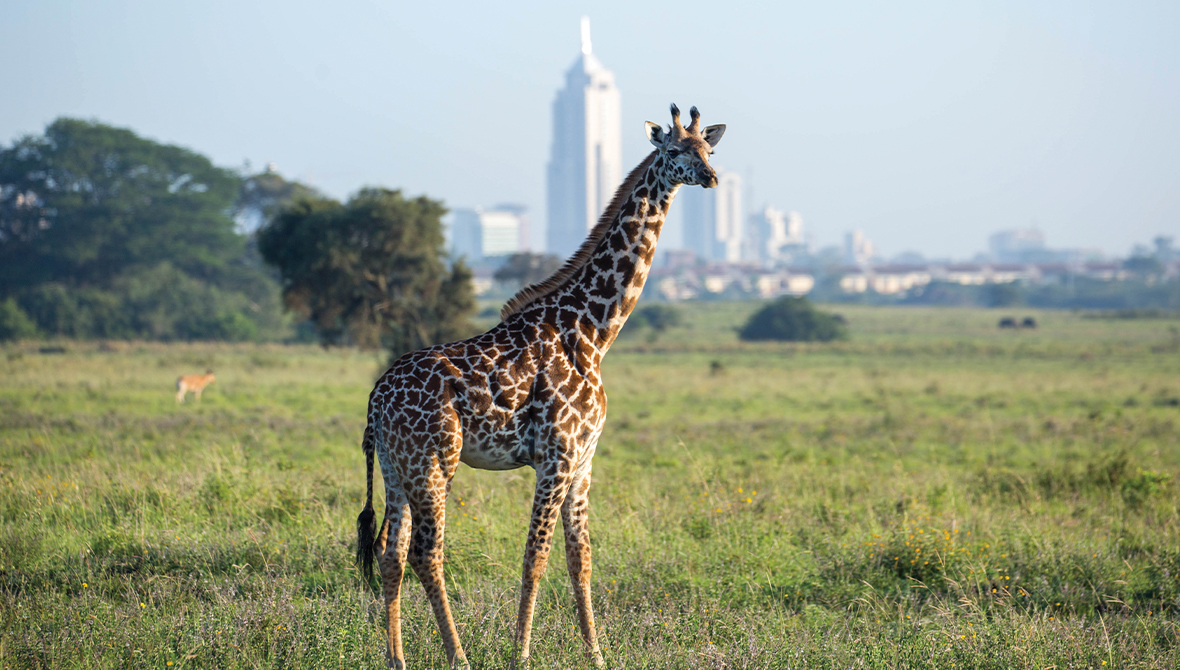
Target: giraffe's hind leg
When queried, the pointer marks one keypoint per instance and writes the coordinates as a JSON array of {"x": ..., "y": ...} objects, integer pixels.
[
  {"x": 391, "y": 547},
  {"x": 429, "y": 506}
]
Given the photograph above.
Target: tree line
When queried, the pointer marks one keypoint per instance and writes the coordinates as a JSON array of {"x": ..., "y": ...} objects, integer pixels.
[{"x": 106, "y": 234}]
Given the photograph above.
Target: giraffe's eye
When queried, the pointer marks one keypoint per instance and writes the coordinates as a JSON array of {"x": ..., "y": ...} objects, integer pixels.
[{"x": 673, "y": 152}]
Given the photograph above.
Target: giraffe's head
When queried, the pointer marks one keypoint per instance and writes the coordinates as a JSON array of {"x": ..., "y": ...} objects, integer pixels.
[{"x": 686, "y": 150}]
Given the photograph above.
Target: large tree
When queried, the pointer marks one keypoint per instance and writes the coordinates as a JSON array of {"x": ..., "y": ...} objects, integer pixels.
[
  {"x": 266, "y": 194},
  {"x": 86, "y": 202},
  {"x": 107, "y": 234},
  {"x": 371, "y": 271}
]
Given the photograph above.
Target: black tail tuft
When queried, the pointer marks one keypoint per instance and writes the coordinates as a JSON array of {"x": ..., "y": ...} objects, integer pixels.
[
  {"x": 366, "y": 523},
  {"x": 366, "y": 536}
]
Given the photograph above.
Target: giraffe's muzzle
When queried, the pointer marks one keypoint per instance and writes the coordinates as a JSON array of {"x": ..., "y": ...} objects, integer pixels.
[{"x": 707, "y": 177}]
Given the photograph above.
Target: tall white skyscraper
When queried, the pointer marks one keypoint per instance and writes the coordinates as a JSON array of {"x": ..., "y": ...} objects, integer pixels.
[
  {"x": 713, "y": 219},
  {"x": 586, "y": 157}
]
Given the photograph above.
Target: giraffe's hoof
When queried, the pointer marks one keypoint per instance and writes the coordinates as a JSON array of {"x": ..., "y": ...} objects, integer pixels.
[{"x": 520, "y": 663}]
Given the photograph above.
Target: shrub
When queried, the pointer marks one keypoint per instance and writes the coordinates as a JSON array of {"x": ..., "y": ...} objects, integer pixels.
[
  {"x": 62, "y": 311},
  {"x": 1003, "y": 295},
  {"x": 166, "y": 304},
  {"x": 794, "y": 320},
  {"x": 657, "y": 318},
  {"x": 14, "y": 323}
]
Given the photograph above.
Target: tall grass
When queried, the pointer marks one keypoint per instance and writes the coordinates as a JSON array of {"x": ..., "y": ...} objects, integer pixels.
[{"x": 932, "y": 492}]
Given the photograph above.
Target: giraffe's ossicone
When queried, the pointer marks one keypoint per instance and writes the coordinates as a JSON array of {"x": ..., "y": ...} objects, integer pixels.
[{"x": 527, "y": 392}]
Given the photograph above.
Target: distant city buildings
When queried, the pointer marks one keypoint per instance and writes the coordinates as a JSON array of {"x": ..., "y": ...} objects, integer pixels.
[
  {"x": 713, "y": 219},
  {"x": 482, "y": 233},
  {"x": 776, "y": 236},
  {"x": 728, "y": 280},
  {"x": 900, "y": 279},
  {"x": 585, "y": 160},
  {"x": 858, "y": 249},
  {"x": 1016, "y": 245},
  {"x": 1027, "y": 245}
]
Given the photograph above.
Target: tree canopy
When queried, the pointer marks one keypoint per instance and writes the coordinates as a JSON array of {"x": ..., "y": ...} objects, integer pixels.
[
  {"x": 264, "y": 195},
  {"x": 85, "y": 202},
  {"x": 371, "y": 271},
  {"x": 107, "y": 234}
]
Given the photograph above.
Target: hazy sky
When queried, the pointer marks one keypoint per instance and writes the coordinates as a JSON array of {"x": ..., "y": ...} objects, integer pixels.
[{"x": 927, "y": 125}]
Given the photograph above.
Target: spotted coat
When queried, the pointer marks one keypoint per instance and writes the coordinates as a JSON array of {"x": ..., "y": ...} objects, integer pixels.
[{"x": 526, "y": 393}]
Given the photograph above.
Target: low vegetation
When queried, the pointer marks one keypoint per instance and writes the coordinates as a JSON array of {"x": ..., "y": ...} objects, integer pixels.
[
  {"x": 933, "y": 492},
  {"x": 793, "y": 319}
]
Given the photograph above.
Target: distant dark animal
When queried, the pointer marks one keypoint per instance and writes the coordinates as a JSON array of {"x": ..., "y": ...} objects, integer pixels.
[
  {"x": 1028, "y": 322},
  {"x": 1008, "y": 322}
]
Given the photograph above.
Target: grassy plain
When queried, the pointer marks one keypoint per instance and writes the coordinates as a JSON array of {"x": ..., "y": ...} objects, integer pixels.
[{"x": 933, "y": 493}]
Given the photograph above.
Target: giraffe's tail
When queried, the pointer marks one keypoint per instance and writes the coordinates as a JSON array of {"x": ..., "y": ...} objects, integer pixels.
[{"x": 366, "y": 523}]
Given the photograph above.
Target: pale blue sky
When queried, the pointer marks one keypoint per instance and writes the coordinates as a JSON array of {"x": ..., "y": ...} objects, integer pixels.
[{"x": 929, "y": 125}]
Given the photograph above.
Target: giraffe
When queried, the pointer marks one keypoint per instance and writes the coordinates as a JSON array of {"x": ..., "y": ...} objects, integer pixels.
[
  {"x": 527, "y": 392},
  {"x": 194, "y": 383}
]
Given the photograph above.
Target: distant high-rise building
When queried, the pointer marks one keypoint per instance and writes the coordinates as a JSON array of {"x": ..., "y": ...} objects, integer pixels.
[
  {"x": 586, "y": 157},
  {"x": 713, "y": 219},
  {"x": 482, "y": 233},
  {"x": 777, "y": 233},
  {"x": 858, "y": 249},
  {"x": 524, "y": 241}
]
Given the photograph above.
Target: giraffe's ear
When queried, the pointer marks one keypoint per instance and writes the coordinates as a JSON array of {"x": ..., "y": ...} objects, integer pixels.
[
  {"x": 655, "y": 134},
  {"x": 713, "y": 134}
]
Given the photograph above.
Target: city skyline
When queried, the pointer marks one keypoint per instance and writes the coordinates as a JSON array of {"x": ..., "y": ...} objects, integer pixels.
[{"x": 929, "y": 127}]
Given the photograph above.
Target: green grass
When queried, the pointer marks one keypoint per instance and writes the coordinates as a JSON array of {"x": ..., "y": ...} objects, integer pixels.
[{"x": 932, "y": 492}]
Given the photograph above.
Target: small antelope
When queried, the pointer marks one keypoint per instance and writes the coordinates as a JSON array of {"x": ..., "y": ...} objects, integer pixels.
[{"x": 194, "y": 383}]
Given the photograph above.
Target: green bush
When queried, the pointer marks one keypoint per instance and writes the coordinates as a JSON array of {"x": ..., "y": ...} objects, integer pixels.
[
  {"x": 656, "y": 319},
  {"x": 14, "y": 323},
  {"x": 157, "y": 303},
  {"x": 164, "y": 303},
  {"x": 83, "y": 313},
  {"x": 794, "y": 320}
]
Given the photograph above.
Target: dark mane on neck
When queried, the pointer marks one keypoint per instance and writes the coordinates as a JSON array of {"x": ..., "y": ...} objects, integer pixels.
[{"x": 530, "y": 294}]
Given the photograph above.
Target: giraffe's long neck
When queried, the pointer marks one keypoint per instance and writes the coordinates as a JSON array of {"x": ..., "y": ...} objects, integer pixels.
[{"x": 601, "y": 296}]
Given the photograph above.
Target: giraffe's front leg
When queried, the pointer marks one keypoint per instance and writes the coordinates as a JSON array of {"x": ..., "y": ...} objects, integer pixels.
[
  {"x": 552, "y": 484},
  {"x": 575, "y": 516}
]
